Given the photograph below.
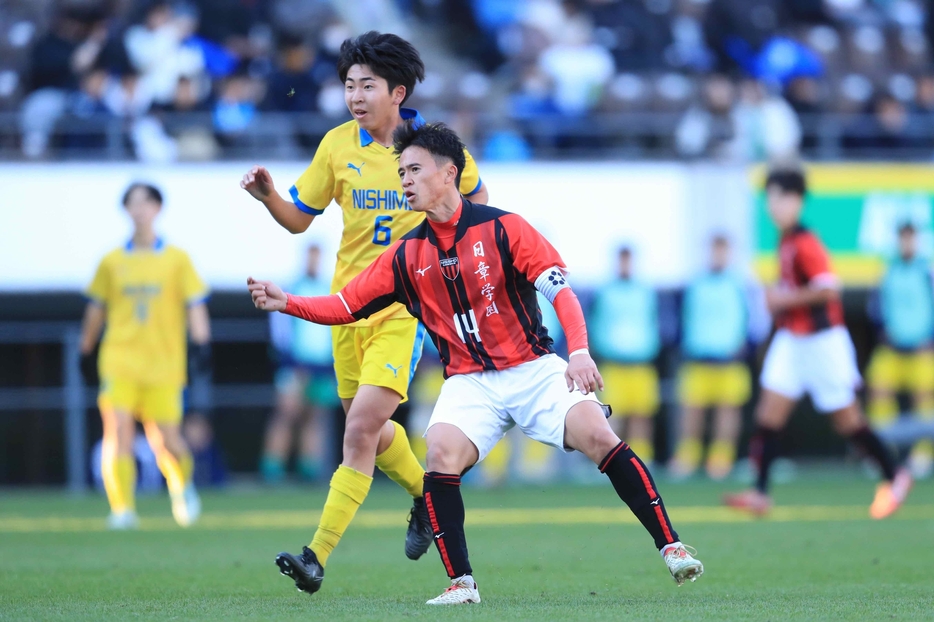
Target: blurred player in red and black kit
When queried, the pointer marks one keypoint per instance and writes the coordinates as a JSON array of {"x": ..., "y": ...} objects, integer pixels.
[
  {"x": 811, "y": 353},
  {"x": 470, "y": 274}
]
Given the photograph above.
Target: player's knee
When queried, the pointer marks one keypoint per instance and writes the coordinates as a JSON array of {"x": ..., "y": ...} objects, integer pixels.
[
  {"x": 450, "y": 454},
  {"x": 122, "y": 430},
  {"x": 173, "y": 441},
  {"x": 444, "y": 459},
  {"x": 360, "y": 433}
]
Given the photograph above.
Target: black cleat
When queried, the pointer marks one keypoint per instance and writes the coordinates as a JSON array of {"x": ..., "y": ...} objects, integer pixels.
[
  {"x": 305, "y": 570},
  {"x": 418, "y": 537}
]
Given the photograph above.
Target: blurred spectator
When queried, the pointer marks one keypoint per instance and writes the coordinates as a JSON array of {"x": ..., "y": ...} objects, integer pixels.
[
  {"x": 736, "y": 30},
  {"x": 708, "y": 128},
  {"x": 306, "y": 390},
  {"x": 714, "y": 376},
  {"x": 760, "y": 126},
  {"x": 578, "y": 68},
  {"x": 228, "y": 23},
  {"x": 624, "y": 333},
  {"x": 293, "y": 85},
  {"x": 66, "y": 52},
  {"x": 636, "y": 36},
  {"x": 88, "y": 104},
  {"x": 924, "y": 99},
  {"x": 904, "y": 361},
  {"x": 194, "y": 142},
  {"x": 888, "y": 129},
  {"x": 767, "y": 126},
  {"x": 156, "y": 51},
  {"x": 235, "y": 107},
  {"x": 804, "y": 96}
]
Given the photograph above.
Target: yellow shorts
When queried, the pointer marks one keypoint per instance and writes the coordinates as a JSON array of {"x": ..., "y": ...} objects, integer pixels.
[
  {"x": 703, "y": 385},
  {"x": 161, "y": 403},
  {"x": 893, "y": 371},
  {"x": 383, "y": 355},
  {"x": 630, "y": 389}
]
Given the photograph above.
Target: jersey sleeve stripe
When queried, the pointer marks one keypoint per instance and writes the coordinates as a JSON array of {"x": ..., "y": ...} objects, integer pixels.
[
  {"x": 95, "y": 299},
  {"x": 197, "y": 300},
  {"x": 346, "y": 306},
  {"x": 477, "y": 189},
  {"x": 293, "y": 191}
]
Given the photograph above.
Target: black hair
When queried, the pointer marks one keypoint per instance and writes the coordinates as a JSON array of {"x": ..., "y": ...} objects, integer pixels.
[
  {"x": 788, "y": 180},
  {"x": 152, "y": 193},
  {"x": 624, "y": 251},
  {"x": 436, "y": 138},
  {"x": 907, "y": 227},
  {"x": 389, "y": 56}
]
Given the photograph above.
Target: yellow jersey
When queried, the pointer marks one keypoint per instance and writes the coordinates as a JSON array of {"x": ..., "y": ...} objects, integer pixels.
[
  {"x": 362, "y": 177},
  {"x": 146, "y": 293}
]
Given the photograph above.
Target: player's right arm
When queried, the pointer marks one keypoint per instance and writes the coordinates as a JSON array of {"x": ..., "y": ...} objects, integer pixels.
[
  {"x": 312, "y": 193},
  {"x": 371, "y": 291},
  {"x": 258, "y": 182}
]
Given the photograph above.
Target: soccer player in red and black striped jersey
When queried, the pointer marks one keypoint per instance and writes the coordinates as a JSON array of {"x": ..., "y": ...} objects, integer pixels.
[
  {"x": 470, "y": 273},
  {"x": 811, "y": 352}
]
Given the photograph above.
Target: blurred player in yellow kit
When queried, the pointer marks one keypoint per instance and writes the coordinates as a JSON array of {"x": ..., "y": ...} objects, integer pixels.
[
  {"x": 374, "y": 359},
  {"x": 147, "y": 292}
]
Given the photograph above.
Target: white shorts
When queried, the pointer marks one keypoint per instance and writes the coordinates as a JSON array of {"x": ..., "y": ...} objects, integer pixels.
[
  {"x": 485, "y": 405},
  {"x": 822, "y": 364}
]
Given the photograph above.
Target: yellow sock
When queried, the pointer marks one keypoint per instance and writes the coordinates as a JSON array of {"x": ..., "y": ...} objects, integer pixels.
[
  {"x": 400, "y": 464},
  {"x": 348, "y": 490},
  {"x": 721, "y": 456},
  {"x": 643, "y": 449},
  {"x": 119, "y": 474},
  {"x": 187, "y": 464},
  {"x": 688, "y": 454},
  {"x": 882, "y": 411},
  {"x": 176, "y": 472}
]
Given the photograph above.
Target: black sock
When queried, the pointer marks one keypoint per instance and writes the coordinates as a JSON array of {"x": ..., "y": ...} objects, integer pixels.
[
  {"x": 763, "y": 450},
  {"x": 634, "y": 485},
  {"x": 870, "y": 443},
  {"x": 446, "y": 512}
]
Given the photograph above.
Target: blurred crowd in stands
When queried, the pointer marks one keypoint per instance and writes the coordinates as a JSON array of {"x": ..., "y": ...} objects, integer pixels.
[{"x": 730, "y": 79}]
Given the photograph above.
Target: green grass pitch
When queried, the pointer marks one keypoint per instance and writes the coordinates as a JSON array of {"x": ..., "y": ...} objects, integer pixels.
[{"x": 552, "y": 553}]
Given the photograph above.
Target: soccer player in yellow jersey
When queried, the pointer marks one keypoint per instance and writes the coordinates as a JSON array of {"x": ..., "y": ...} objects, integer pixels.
[
  {"x": 375, "y": 358},
  {"x": 147, "y": 292}
]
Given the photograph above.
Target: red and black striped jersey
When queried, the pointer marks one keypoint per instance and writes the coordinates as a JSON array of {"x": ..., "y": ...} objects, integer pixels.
[
  {"x": 804, "y": 262},
  {"x": 478, "y": 300}
]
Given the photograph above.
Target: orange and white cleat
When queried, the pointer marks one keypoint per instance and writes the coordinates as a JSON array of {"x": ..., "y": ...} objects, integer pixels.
[
  {"x": 752, "y": 501},
  {"x": 891, "y": 495},
  {"x": 681, "y": 563},
  {"x": 463, "y": 591}
]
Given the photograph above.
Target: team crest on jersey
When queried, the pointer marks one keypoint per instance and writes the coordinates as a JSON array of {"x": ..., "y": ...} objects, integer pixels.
[{"x": 450, "y": 268}]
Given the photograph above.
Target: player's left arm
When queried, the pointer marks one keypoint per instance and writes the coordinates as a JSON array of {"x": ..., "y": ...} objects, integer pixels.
[
  {"x": 822, "y": 286},
  {"x": 540, "y": 262},
  {"x": 471, "y": 185}
]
